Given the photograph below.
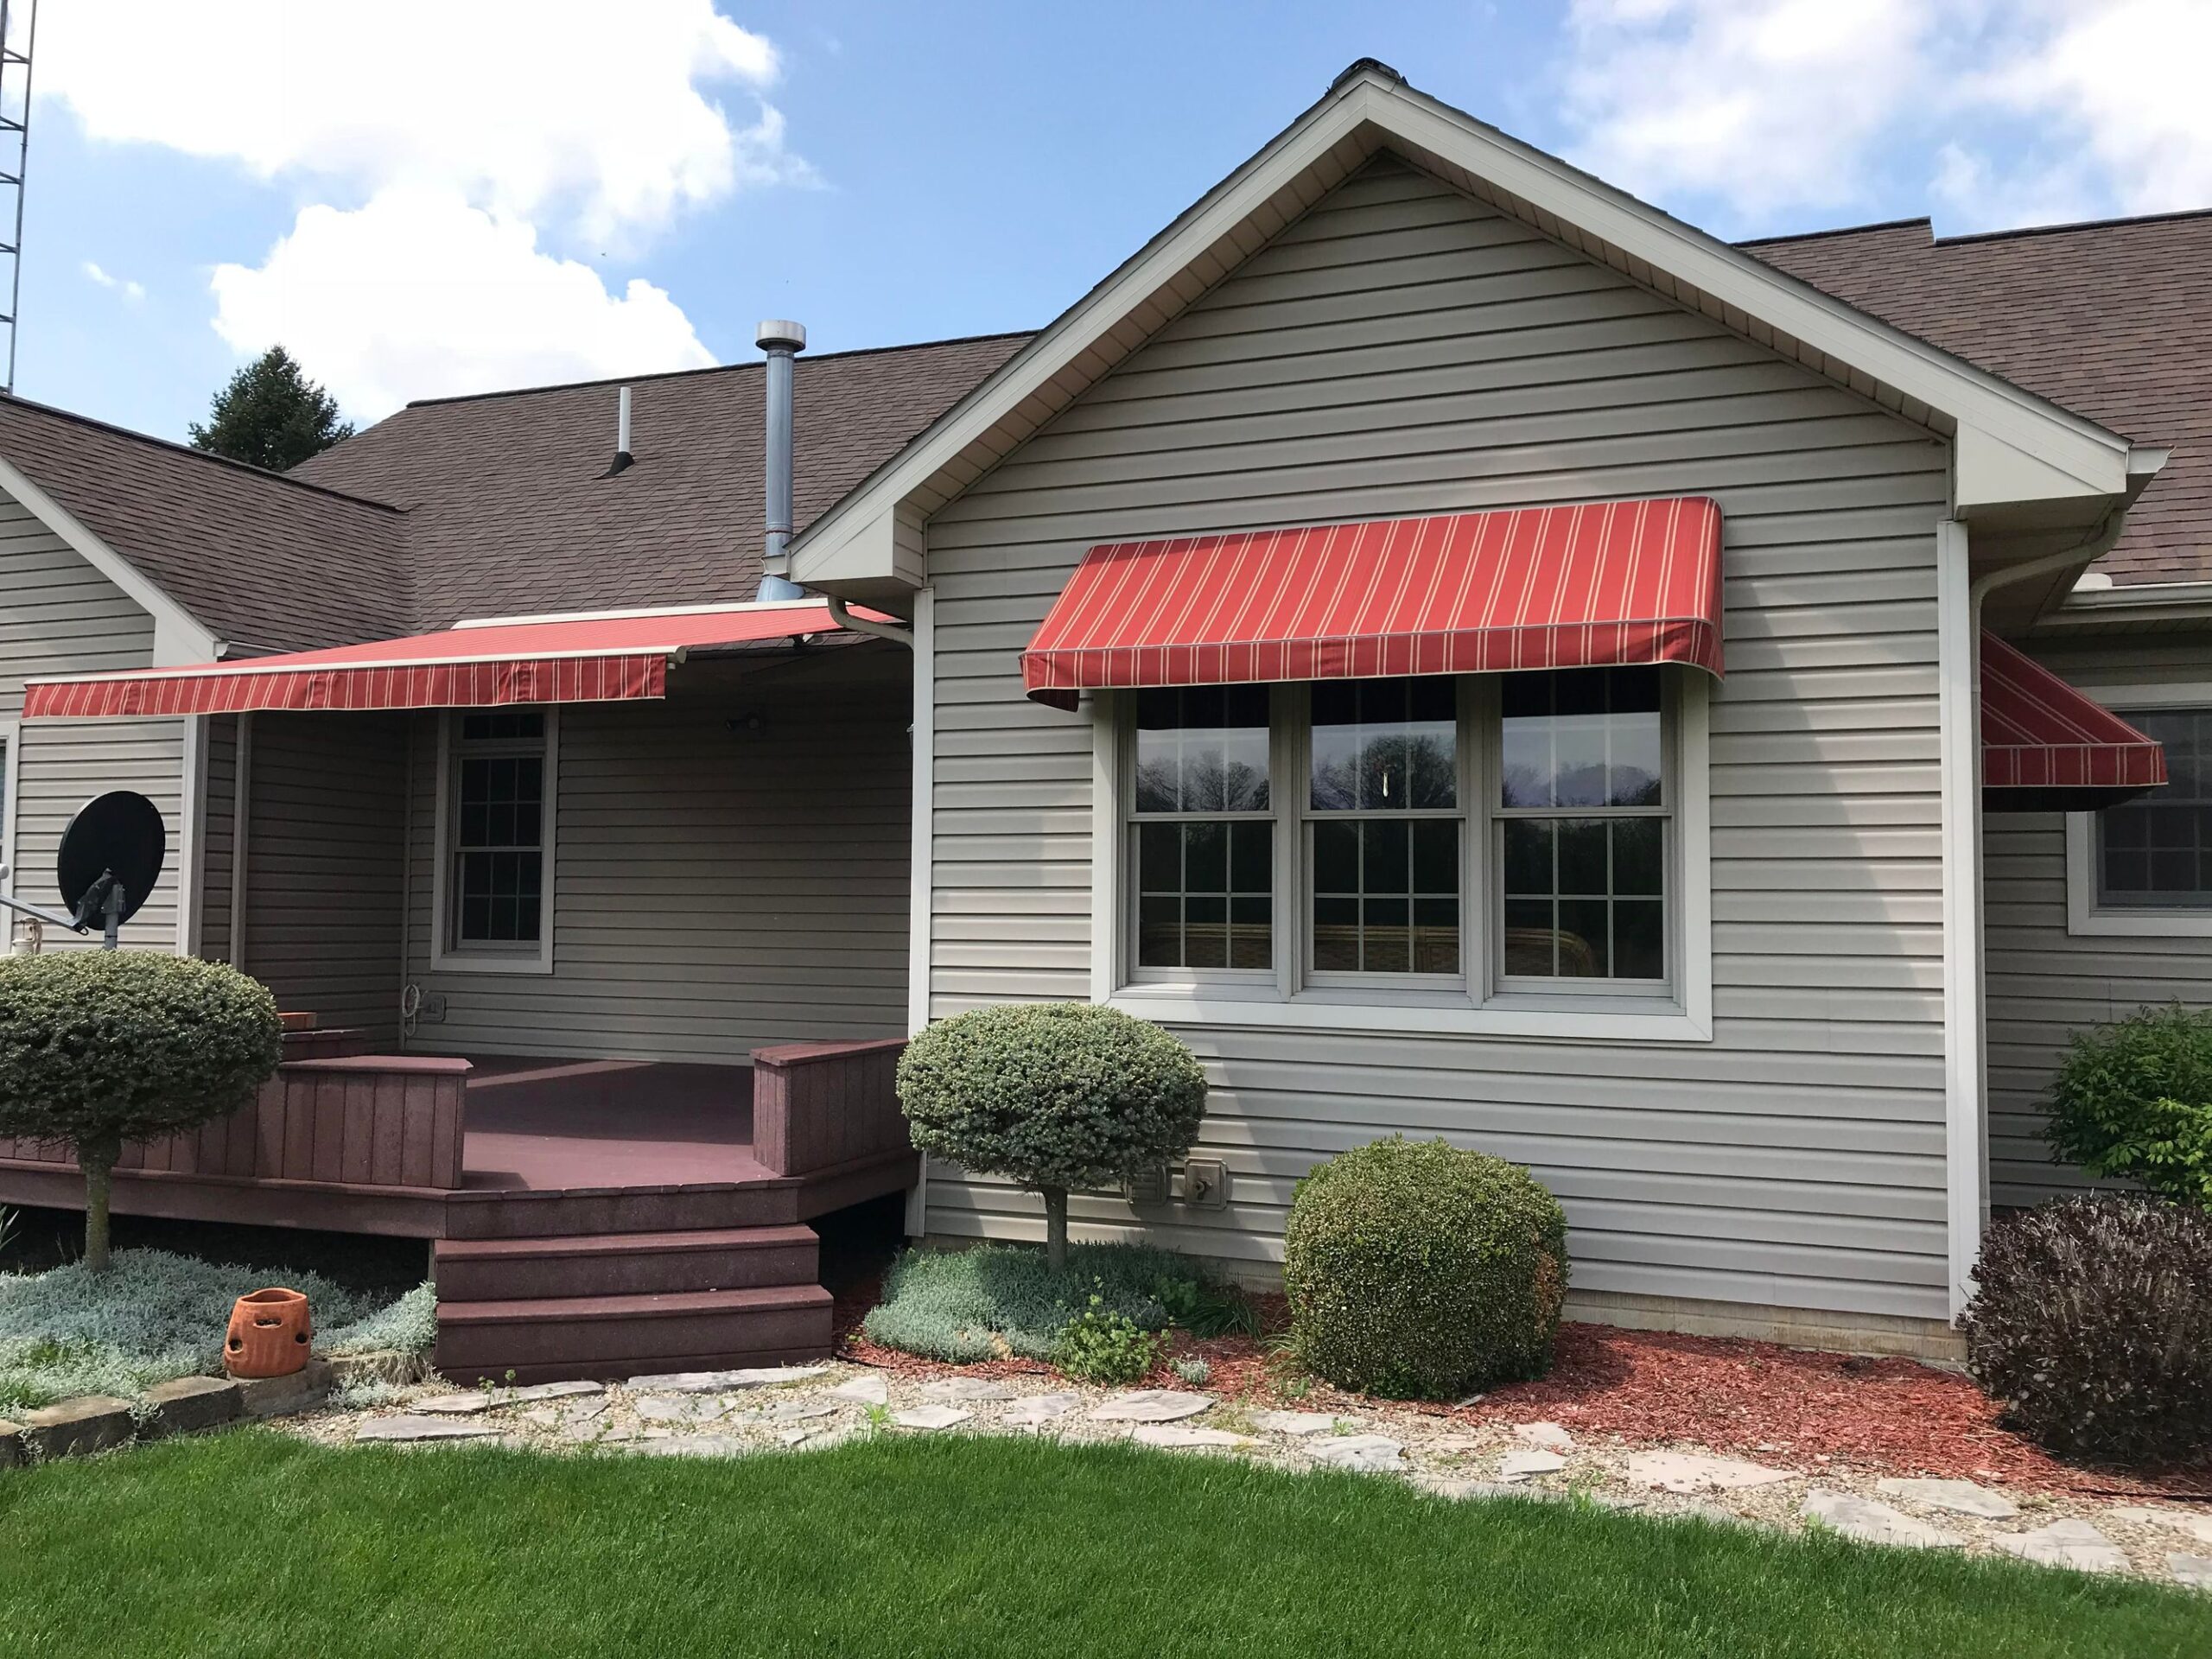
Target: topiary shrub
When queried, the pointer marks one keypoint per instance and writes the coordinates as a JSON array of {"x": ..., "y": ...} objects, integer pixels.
[
  {"x": 2093, "y": 1322},
  {"x": 1055, "y": 1095},
  {"x": 101, "y": 1048},
  {"x": 2133, "y": 1100},
  {"x": 1418, "y": 1269}
]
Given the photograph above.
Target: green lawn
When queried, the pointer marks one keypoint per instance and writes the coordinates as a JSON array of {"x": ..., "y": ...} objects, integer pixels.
[{"x": 250, "y": 1543}]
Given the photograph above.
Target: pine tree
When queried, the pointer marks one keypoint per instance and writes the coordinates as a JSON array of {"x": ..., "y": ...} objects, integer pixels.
[{"x": 270, "y": 415}]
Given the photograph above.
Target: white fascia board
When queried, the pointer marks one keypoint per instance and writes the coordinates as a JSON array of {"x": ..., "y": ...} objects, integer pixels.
[
  {"x": 2076, "y": 456},
  {"x": 178, "y": 637},
  {"x": 862, "y": 549}
]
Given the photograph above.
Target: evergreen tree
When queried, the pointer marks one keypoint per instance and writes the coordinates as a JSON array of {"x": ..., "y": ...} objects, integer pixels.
[{"x": 270, "y": 415}]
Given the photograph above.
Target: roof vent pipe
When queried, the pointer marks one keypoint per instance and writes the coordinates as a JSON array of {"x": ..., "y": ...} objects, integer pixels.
[
  {"x": 782, "y": 341},
  {"x": 622, "y": 456}
]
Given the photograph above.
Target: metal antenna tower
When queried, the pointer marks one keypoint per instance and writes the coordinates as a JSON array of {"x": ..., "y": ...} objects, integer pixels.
[{"x": 16, "y": 124}]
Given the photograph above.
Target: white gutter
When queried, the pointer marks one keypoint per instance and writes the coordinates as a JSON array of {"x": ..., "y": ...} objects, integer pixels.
[{"x": 845, "y": 619}]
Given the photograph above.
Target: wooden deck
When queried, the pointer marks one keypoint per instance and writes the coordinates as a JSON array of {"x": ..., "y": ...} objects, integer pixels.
[{"x": 590, "y": 1217}]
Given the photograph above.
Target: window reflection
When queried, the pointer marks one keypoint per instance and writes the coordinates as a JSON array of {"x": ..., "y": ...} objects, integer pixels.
[{"x": 1385, "y": 745}]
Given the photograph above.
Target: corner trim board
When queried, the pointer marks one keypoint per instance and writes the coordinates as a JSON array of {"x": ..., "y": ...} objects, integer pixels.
[{"x": 1965, "y": 1119}]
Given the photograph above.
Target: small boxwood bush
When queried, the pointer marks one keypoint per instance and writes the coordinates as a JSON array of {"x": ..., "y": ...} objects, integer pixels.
[
  {"x": 2093, "y": 1322},
  {"x": 1054, "y": 1094},
  {"x": 101, "y": 1048},
  {"x": 2133, "y": 1100},
  {"x": 1419, "y": 1269}
]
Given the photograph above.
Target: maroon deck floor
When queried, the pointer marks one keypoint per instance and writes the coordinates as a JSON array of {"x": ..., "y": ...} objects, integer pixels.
[{"x": 549, "y": 1125}]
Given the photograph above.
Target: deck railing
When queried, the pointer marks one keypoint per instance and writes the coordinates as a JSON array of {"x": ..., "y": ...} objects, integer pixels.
[
  {"x": 367, "y": 1120},
  {"x": 818, "y": 1105}
]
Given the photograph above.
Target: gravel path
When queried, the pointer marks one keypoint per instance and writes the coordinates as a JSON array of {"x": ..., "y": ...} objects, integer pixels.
[{"x": 728, "y": 1414}]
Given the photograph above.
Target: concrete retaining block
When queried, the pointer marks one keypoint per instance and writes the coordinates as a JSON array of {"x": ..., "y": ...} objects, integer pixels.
[
  {"x": 11, "y": 1444},
  {"x": 192, "y": 1403},
  {"x": 280, "y": 1396},
  {"x": 77, "y": 1426}
]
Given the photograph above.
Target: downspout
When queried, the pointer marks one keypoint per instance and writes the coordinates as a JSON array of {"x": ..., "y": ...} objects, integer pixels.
[
  {"x": 1963, "y": 917},
  {"x": 845, "y": 619}
]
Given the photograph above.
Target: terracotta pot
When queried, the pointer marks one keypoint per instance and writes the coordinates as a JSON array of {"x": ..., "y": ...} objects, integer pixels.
[{"x": 270, "y": 1334}]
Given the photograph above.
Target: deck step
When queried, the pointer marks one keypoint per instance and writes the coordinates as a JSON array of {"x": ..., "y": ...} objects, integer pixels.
[
  {"x": 542, "y": 1339},
  {"x": 509, "y": 1214},
  {"x": 615, "y": 1264}
]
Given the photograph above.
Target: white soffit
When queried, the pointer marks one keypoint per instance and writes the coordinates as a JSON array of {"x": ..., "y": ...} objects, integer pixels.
[{"x": 2012, "y": 446}]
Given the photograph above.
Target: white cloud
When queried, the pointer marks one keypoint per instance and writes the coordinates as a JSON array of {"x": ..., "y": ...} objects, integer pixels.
[
  {"x": 1765, "y": 103},
  {"x": 419, "y": 293},
  {"x": 2008, "y": 111},
  {"x": 2127, "y": 77},
  {"x": 523, "y": 106},
  {"x": 99, "y": 278}
]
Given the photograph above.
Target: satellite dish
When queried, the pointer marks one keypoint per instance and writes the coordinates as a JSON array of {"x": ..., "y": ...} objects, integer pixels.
[{"x": 118, "y": 835}]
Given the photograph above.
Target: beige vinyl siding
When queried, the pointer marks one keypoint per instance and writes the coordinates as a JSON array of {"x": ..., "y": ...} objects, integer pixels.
[
  {"x": 2043, "y": 982},
  {"x": 59, "y": 615},
  {"x": 1404, "y": 350},
  {"x": 716, "y": 890},
  {"x": 327, "y": 799}
]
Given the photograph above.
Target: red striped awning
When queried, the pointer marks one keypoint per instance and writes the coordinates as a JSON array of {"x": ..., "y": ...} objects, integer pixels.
[
  {"x": 603, "y": 658},
  {"x": 1608, "y": 584},
  {"x": 2046, "y": 747}
]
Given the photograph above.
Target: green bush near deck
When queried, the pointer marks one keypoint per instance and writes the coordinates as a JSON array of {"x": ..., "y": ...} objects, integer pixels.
[
  {"x": 998, "y": 1300},
  {"x": 2092, "y": 1320},
  {"x": 2132, "y": 1100},
  {"x": 102, "y": 1048},
  {"x": 1053, "y": 1095},
  {"x": 1417, "y": 1270}
]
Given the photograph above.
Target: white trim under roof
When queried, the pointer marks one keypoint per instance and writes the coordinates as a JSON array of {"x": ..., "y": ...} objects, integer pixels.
[
  {"x": 2010, "y": 446},
  {"x": 636, "y": 611},
  {"x": 177, "y": 636}
]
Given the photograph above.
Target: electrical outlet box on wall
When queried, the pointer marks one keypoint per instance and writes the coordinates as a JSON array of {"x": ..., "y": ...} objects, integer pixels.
[{"x": 1205, "y": 1184}]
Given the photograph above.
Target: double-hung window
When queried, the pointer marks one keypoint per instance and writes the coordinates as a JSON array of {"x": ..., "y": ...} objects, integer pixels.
[
  {"x": 2143, "y": 868},
  {"x": 497, "y": 818},
  {"x": 1485, "y": 843}
]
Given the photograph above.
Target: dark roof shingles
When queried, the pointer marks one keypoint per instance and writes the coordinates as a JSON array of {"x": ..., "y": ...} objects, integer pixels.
[
  {"x": 2113, "y": 321},
  {"x": 257, "y": 558},
  {"x": 508, "y": 511}
]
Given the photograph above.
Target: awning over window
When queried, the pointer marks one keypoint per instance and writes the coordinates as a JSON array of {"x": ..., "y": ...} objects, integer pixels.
[
  {"x": 1611, "y": 583},
  {"x": 2047, "y": 748},
  {"x": 604, "y": 658}
]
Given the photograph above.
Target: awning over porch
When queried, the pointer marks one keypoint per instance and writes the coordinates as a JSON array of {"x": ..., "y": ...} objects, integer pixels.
[
  {"x": 1602, "y": 584},
  {"x": 607, "y": 657},
  {"x": 2046, "y": 747}
]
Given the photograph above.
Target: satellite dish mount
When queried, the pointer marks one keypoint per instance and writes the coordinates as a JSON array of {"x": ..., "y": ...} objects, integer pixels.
[{"x": 111, "y": 856}]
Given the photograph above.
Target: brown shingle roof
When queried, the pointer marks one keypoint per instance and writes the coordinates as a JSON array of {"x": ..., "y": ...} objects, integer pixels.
[
  {"x": 508, "y": 512},
  {"x": 257, "y": 558},
  {"x": 2113, "y": 321}
]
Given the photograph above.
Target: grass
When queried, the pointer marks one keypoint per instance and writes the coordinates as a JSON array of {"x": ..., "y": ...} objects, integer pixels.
[
  {"x": 249, "y": 1543},
  {"x": 154, "y": 1316},
  {"x": 998, "y": 1300}
]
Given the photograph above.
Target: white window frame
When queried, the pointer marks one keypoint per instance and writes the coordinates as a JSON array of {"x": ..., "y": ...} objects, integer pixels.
[
  {"x": 11, "y": 736},
  {"x": 2086, "y": 916},
  {"x": 1477, "y": 1008},
  {"x": 445, "y": 956}
]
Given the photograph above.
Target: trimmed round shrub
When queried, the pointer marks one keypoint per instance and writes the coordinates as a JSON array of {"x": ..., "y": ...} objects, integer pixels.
[
  {"x": 2133, "y": 1100},
  {"x": 2091, "y": 1321},
  {"x": 1417, "y": 1270},
  {"x": 1053, "y": 1095},
  {"x": 101, "y": 1048}
]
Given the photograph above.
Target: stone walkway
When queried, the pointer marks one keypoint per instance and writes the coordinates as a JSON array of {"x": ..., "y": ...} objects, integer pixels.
[{"x": 722, "y": 1414}]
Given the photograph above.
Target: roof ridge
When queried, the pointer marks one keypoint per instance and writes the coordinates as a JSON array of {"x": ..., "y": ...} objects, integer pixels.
[
  {"x": 713, "y": 368},
  {"x": 247, "y": 467},
  {"x": 2117, "y": 222},
  {"x": 1840, "y": 230}
]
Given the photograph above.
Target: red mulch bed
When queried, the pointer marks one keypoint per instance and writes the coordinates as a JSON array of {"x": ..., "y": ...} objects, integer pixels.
[{"x": 1753, "y": 1399}]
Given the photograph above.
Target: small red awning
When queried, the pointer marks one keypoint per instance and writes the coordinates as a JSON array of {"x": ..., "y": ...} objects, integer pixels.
[
  {"x": 475, "y": 666},
  {"x": 1611, "y": 583},
  {"x": 2046, "y": 747}
]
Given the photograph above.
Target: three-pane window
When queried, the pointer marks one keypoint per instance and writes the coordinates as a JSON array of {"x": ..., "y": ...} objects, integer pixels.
[
  {"x": 499, "y": 828},
  {"x": 2156, "y": 851},
  {"x": 1511, "y": 833}
]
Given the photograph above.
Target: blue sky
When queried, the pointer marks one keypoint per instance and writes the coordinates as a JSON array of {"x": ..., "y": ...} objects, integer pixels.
[{"x": 422, "y": 198}]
